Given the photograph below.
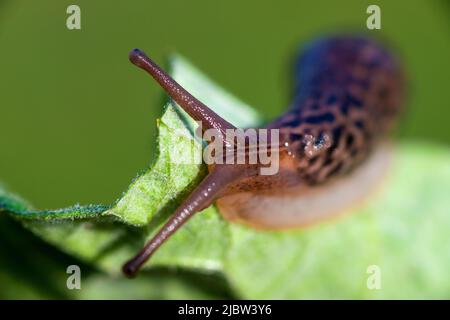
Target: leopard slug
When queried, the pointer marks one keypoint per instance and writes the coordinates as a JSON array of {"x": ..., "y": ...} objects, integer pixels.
[{"x": 331, "y": 148}]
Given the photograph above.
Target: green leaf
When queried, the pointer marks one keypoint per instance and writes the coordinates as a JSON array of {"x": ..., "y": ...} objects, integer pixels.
[
  {"x": 403, "y": 229},
  {"x": 32, "y": 269}
]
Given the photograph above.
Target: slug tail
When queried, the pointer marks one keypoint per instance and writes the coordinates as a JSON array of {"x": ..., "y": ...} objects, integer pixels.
[
  {"x": 202, "y": 197},
  {"x": 194, "y": 107}
]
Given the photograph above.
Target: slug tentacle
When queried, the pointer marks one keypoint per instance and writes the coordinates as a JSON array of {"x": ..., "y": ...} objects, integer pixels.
[
  {"x": 195, "y": 108},
  {"x": 202, "y": 197}
]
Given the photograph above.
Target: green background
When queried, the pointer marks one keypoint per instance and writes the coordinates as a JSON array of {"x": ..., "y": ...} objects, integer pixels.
[{"x": 75, "y": 112}]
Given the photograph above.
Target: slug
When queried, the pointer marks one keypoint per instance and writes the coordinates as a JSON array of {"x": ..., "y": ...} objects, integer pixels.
[{"x": 331, "y": 149}]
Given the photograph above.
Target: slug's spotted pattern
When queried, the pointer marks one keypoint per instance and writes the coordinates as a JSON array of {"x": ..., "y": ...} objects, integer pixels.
[
  {"x": 349, "y": 91},
  {"x": 331, "y": 149}
]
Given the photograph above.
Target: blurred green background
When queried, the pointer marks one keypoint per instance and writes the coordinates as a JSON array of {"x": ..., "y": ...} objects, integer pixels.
[{"x": 78, "y": 120}]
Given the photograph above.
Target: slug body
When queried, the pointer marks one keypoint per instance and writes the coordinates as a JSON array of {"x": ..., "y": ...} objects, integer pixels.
[{"x": 331, "y": 152}]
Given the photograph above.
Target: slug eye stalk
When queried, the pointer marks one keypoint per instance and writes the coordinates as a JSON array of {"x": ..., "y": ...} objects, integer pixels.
[
  {"x": 195, "y": 108},
  {"x": 202, "y": 197},
  {"x": 210, "y": 188}
]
